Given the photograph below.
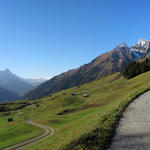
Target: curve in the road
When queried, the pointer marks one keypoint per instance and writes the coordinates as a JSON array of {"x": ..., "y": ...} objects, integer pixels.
[
  {"x": 48, "y": 132},
  {"x": 133, "y": 132}
]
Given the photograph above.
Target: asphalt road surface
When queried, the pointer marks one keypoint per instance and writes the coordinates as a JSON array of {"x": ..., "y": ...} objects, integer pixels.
[{"x": 133, "y": 132}]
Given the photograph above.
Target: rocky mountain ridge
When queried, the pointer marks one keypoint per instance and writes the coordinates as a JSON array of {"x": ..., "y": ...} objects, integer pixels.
[{"x": 141, "y": 48}]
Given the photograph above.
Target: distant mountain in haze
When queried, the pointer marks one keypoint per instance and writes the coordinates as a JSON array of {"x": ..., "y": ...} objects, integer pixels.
[
  {"x": 6, "y": 95},
  {"x": 36, "y": 82},
  {"x": 103, "y": 65},
  {"x": 12, "y": 86},
  {"x": 12, "y": 82}
]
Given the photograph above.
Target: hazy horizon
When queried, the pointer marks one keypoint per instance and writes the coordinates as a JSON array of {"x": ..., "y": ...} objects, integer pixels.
[{"x": 45, "y": 38}]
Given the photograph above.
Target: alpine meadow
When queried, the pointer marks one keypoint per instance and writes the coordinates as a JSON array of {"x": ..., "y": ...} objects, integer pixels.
[{"x": 74, "y": 75}]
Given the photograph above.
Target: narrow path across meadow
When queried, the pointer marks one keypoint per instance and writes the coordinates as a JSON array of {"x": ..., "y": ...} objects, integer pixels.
[
  {"x": 48, "y": 132},
  {"x": 133, "y": 132}
]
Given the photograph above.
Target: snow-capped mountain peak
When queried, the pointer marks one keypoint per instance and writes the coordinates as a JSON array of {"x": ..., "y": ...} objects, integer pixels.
[
  {"x": 141, "y": 48},
  {"x": 123, "y": 45},
  {"x": 143, "y": 43}
]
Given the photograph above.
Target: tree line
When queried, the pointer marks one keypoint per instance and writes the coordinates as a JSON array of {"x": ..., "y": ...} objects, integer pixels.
[{"x": 135, "y": 68}]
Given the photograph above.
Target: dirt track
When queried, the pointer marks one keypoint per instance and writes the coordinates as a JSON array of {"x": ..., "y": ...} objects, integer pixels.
[{"x": 48, "y": 132}]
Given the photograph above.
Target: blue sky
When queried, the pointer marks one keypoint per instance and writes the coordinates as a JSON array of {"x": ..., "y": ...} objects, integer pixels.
[{"x": 47, "y": 37}]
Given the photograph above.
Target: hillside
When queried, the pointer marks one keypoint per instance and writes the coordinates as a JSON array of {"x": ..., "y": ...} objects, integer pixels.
[
  {"x": 7, "y": 95},
  {"x": 103, "y": 65},
  {"x": 72, "y": 115}
]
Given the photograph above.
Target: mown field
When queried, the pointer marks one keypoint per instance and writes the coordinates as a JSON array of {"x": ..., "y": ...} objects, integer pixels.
[{"x": 69, "y": 112}]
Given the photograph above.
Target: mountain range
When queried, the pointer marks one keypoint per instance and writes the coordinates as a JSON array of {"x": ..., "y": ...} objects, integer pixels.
[
  {"x": 12, "y": 86},
  {"x": 12, "y": 82},
  {"x": 36, "y": 82},
  {"x": 101, "y": 66}
]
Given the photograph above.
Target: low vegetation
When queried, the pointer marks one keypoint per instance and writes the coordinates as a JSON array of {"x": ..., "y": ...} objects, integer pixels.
[{"x": 78, "y": 121}]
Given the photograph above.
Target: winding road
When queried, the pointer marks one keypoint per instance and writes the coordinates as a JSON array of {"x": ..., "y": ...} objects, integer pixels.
[
  {"x": 133, "y": 132},
  {"x": 48, "y": 132}
]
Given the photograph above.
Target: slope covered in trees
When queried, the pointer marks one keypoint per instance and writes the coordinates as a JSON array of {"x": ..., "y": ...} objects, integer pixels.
[{"x": 135, "y": 68}]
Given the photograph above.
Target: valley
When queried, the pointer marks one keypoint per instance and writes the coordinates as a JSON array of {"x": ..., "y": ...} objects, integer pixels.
[
  {"x": 70, "y": 114},
  {"x": 74, "y": 75},
  {"x": 13, "y": 87}
]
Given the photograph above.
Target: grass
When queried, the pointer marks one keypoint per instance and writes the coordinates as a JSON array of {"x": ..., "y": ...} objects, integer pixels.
[
  {"x": 100, "y": 137},
  {"x": 78, "y": 121},
  {"x": 16, "y": 131}
]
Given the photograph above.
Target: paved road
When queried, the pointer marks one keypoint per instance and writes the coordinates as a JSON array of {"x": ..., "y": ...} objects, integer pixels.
[
  {"x": 133, "y": 132},
  {"x": 48, "y": 132}
]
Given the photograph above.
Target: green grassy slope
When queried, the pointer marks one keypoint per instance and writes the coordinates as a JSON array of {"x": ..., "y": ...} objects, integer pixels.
[
  {"x": 16, "y": 131},
  {"x": 74, "y": 115}
]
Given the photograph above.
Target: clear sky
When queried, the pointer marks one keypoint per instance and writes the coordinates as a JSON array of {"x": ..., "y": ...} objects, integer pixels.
[{"x": 47, "y": 37}]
